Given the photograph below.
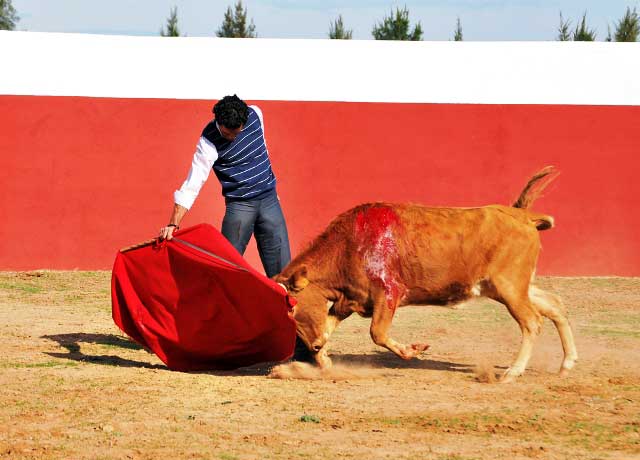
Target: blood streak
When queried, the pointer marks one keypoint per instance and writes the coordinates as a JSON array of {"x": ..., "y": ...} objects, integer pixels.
[{"x": 374, "y": 231}]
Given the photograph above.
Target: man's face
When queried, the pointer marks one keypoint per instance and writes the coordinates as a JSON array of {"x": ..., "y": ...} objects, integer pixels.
[{"x": 230, "y": 134}]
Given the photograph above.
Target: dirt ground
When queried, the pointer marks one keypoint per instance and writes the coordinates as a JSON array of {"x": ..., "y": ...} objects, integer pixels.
[{"x": 73, "y": 387}]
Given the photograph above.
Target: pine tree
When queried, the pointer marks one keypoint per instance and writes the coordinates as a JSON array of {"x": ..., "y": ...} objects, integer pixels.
[
  {"x": 234, "y": 24},
  {"x": 563, "y": 30},
  {"x": 8, "y": 15},
  {"x": 628, "y": 28},
  {"x": 337, "y": 30},
  {"x": 397, "y": 28},
  {"x": 172, "y": 24},
  {"x": 458, "y": 33},
  {"x": 608, "y": 39},
  {"x": 582, "y": 32}
]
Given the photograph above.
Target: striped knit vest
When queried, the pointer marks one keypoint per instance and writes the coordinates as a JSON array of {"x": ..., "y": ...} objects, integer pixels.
[{"x": 243, "y": 166}]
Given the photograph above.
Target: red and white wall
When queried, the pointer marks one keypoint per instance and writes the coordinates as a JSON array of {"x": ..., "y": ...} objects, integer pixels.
[{"x": 96, "y": 132}]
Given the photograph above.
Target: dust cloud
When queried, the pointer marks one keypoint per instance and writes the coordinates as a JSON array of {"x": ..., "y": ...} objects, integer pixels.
[
  {"x": 305, "y": 371},
  {"x": 485, "y": 373}
]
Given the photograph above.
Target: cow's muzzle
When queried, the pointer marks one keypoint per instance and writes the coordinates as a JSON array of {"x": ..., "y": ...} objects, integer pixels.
[{"x": 318, "y": 344}]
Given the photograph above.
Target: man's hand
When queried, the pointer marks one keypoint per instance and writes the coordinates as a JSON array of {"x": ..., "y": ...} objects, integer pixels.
[{"x": 166, "y": 233}]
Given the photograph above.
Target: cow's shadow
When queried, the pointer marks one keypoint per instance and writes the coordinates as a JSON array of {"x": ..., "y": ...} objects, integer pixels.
[
  {"x": 71, "y": 342},
  {"x": 378, "y": 361},
  {"x": 387, "y": 360}
]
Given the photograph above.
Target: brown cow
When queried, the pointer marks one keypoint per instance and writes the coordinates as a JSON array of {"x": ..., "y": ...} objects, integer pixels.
[{"x": 380, "y": 256}]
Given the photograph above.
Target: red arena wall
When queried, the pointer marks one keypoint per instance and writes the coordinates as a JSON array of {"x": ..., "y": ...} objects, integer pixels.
[{"x": 84, "y": 176}]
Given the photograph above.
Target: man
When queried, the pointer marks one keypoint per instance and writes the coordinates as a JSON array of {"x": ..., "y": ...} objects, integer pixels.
[{"x": 233, "y": 145}]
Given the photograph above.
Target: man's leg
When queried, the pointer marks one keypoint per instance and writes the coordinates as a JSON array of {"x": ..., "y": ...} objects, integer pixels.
[
  {"x": 273, "y": 245},
  {"x": 238, "y": 223},
  {"x": 272, "y": 237}
]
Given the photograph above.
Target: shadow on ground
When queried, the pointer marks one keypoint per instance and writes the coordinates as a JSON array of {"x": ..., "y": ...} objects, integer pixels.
[
  {"x": 71, "y": 342},
  {"x": 388, "y": 360},
  {"x": 377, "y": 359}
]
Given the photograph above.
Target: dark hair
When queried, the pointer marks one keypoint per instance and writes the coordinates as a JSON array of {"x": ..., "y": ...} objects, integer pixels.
[{"x": 231, "y": 112}]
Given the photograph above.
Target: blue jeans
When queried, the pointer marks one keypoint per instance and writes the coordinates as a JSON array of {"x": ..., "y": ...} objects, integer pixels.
[{"x": 263, "y": 218}]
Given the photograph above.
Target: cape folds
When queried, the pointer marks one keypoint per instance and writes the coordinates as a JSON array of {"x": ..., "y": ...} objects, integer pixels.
[{"x": 198, "y": 305}]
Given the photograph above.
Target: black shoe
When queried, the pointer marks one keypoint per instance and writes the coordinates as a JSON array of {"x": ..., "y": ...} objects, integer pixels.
[{"x": 301, "y": 353}]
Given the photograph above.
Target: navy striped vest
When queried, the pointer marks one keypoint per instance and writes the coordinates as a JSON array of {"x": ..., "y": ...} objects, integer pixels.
[{"x": 243, "y": 166}]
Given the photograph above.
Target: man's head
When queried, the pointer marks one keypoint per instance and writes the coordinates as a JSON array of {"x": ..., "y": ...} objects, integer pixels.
[{"x": 231, "y": 115}]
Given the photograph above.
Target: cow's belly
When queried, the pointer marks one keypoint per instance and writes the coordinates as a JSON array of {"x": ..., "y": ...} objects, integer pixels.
[{"x": 448, "y": 295}]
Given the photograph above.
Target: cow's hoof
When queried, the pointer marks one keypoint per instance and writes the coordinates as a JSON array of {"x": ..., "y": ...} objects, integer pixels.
[
  {"x": 509, "y": 376},
  {"x": 419, "y": 347},
  {"x": 413, "y": 350},
  {"x": 567, "y": 365}
]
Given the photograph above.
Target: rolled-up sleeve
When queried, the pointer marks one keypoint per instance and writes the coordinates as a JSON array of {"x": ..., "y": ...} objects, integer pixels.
[{"x": 203, "y": 159}]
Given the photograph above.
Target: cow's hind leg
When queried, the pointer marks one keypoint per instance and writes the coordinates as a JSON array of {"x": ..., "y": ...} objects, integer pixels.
[
  {"x": 516, "y": 299},
  {"x": 551, "y": 306},
  {"x": 383, "y": 312}
]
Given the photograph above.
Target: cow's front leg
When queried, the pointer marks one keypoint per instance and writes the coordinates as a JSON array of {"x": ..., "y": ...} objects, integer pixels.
[{"x": 383, "y": 312}]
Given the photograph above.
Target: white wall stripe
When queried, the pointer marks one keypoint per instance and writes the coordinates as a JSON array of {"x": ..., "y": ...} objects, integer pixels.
[{"x": 596, "y": 73}]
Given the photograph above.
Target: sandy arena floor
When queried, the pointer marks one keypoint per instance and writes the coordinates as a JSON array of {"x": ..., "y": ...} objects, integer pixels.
[{"x": 72, "y": 387}]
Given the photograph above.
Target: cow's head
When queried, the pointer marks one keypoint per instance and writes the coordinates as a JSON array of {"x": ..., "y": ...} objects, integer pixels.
[{"x": 314, "y": 324}]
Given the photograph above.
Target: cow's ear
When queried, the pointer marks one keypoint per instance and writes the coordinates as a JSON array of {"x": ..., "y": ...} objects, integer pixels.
[{"x": 298, "y": 281}]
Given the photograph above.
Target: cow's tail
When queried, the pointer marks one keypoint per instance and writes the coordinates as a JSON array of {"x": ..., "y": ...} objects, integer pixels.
[{"x": 532, "y": 191}]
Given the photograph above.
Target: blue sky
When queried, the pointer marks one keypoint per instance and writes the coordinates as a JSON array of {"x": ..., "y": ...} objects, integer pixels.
[{"x": 481, "y": 19}]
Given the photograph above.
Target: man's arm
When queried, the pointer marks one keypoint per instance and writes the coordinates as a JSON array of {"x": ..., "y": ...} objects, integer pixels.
[
  {"x": 260, "y": 116},
  {"x": 203, "y": 159}
]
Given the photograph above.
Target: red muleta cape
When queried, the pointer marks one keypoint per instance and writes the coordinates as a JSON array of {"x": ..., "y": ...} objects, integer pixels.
[{"x": 198, "y": 305}]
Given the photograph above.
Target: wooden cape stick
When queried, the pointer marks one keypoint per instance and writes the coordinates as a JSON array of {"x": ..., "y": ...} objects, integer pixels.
[{"x": 139, "y": 245}]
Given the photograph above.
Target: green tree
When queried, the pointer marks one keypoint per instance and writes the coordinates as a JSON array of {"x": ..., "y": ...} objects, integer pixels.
[
  {"x": 628, "y": 28},
  {"x": 582, "y": 32},
  {"x": 8, "y": 15},
  {"x": 235, "y": 25},
  {"x": 563, "y": 30},
  {"x": 172, "y": 24},
  {"x": 397, "y": 28},
  {"x": 457, "y": 36},
  {"x": 337, "y": 30}
]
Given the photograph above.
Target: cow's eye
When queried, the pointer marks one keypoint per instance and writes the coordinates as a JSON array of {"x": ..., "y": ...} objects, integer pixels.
[{"x": 296, "y": 289}]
